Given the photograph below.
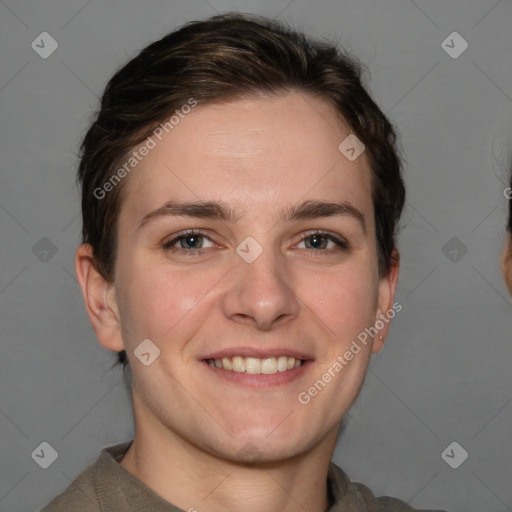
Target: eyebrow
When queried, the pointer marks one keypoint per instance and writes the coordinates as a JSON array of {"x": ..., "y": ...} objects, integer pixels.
[{"x": 218, "y": 210}]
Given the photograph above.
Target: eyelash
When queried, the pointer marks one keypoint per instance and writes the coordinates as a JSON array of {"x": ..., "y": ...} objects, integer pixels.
[{"x": 341, "y": 242}]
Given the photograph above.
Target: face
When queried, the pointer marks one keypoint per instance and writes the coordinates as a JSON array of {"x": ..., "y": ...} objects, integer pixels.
[{"x": 281, "y": 267}]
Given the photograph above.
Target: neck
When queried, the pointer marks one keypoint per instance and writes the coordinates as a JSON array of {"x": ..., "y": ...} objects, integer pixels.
[{"x": 197, "y": 481}]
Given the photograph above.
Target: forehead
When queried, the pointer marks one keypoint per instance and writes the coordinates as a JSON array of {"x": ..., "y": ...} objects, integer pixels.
[{"x": 250, "y": 151}]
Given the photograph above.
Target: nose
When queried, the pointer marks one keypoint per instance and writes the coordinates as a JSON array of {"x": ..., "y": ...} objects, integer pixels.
[{"x": 261, "y": 293}]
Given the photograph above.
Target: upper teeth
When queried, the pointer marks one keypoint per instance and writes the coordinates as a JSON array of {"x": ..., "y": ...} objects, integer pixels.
[{"x": 254, "y": 365}]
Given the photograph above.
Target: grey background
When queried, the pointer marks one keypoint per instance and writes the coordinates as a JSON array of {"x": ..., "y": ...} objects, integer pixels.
[{"x": 444, "y": 374}]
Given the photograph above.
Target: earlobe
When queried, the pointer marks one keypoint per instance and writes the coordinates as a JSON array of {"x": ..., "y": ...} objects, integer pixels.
[
  {"x": 378, "y": 343},
  {"x": 387, "y": 289},
  {"x": 506, "y": 262},
  {"x": 99, "y": 298}
]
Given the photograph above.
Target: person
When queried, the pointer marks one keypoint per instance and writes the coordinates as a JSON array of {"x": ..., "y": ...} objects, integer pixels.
[
  {"x": 241, "y": 194},
  {"x": 506, "y": 253}
]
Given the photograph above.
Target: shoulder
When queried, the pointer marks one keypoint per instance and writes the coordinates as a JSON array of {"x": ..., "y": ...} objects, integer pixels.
[
  {"x": 385, "y": 503},
  {"x": 82, "y": 494},
  {"x": 358, "y": 497},
  {"x": 79, "y": 495}
]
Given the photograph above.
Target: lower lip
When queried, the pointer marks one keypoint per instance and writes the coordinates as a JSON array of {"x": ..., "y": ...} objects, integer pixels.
[{"x": 260, "y": 380}]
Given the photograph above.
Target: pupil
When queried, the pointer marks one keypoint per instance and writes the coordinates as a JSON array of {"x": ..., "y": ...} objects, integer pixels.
[
  {"x": 315, "y": 241},
  {"x": 192, "y": 240}
]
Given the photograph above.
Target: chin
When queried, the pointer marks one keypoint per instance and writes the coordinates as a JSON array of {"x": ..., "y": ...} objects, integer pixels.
[{"x": 254, "y": 450}]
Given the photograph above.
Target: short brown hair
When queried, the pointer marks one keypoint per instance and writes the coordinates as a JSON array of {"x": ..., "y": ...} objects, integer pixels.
[{"x": 227, "y": 57}]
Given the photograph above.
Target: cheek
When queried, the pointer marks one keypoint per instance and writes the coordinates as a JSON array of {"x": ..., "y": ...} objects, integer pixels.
[
  {"x": 345, "y": 300},
  {"x": 157, "y": 301}
]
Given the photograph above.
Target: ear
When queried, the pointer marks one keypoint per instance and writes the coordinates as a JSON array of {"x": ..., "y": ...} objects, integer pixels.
[
  {"x": 100, "y": 300},
  {"x": 506, "y": 262},
  {"x": 387, "y": 289}
]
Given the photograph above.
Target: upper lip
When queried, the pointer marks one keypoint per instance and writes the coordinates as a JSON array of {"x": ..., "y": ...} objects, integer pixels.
[{"x": 259, "y": 353}]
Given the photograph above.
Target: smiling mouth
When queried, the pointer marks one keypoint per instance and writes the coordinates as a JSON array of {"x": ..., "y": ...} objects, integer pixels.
[{"x": 255, "y": 366}]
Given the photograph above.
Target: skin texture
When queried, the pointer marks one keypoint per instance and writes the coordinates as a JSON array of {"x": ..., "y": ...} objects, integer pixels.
[
  {"x": 192, "y": 426},
  {"x": 506, "y": 262}
]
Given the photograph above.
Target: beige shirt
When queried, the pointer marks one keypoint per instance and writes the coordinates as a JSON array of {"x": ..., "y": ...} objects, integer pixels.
[{"x": 106, "y": 486}]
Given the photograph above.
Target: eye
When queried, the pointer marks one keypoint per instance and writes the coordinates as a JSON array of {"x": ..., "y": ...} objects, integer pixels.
[
  {"x": 324, "y": 242},
  {"x": 190, "y": 243},
  {"x": 193, "y": 243}
]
